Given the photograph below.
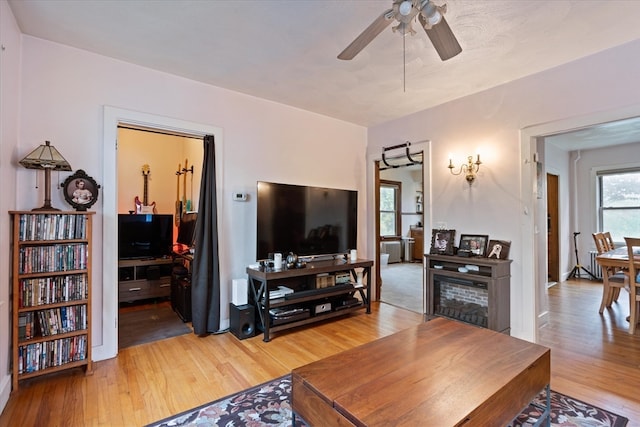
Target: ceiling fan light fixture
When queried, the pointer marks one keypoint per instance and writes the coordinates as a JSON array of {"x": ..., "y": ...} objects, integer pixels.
[
  {"x": 404, "y": 12},
  {"x": 405, "y": 8},
  {"x": 433, "y": 14},
  {"x": 435, "y": 18},
  {"x": 404, "y": 28}
]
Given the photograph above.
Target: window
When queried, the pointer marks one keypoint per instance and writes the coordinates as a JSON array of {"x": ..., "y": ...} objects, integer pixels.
[
  {"x": 619, "y": 203},
  {"x": 390, "y": 208}
]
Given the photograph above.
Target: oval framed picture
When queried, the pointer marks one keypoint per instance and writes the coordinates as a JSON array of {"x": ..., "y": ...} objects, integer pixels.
[{"x": 80, "y": 190}]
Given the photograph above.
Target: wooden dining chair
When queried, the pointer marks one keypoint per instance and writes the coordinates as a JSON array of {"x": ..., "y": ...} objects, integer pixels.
[
  {"x": 600, "y": 242},
  {"x": 633, "y": 249},
  {"x": 611, "y": 246},
  {"x": 612, "y": 280},
  {"x": 609, "y": 240}
]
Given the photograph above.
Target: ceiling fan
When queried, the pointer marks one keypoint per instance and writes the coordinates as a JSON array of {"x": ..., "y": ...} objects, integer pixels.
[{"x": 431, "y": 18}]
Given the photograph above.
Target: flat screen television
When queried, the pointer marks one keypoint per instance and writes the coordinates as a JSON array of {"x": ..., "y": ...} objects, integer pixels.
[
  {"x": 145, "y": 236},
  {"x": 305, "y": 220},
  {"x": 187, "y": 228}
]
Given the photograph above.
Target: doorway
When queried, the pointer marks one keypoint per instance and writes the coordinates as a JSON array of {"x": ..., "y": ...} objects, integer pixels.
[
  {"x": 114, "y": 117},
  {"x": 399, "y": 225},
  {"x": 153, "y": 190}
]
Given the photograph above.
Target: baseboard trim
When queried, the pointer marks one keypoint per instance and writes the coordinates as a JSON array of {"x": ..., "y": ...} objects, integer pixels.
[{"x": 5, "y": 391}]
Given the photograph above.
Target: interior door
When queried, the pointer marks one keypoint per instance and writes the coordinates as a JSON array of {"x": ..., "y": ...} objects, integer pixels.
[{"x": 553, "y": 242}]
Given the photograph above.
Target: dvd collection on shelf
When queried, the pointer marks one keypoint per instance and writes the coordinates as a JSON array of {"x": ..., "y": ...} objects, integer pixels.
[
  {"x": 53, "y": 226},
  {"x": 58, "y": 257},
  {"x": 51, "y": 292},
  {"x": 52, "y": 321},
  {"x": 48, "y": 354}
]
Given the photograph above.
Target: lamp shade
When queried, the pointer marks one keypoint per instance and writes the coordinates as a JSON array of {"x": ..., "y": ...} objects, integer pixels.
[{"x": 46, "y": 157}]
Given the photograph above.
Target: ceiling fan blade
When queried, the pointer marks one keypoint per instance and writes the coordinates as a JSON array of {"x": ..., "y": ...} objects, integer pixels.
[
  {"x": 367, "y": 35},
  {"x": 442, "y": 38}
]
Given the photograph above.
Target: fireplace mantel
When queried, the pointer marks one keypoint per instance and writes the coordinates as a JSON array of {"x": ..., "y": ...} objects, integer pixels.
[{"x": 479, "y": 296}]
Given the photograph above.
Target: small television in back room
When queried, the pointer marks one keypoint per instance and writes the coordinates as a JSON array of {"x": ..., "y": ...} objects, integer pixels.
[
  {"x": 305, "y": 220},
  {"x": 187, "y": 228},
  {"x": 143, "y": 236}
]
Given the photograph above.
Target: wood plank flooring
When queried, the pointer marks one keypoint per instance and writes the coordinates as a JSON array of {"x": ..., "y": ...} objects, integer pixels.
[{"x": 593, "y": 359}]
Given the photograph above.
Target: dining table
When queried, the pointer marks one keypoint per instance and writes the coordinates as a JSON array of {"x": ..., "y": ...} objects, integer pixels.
[{"x": 617, "y": 258}]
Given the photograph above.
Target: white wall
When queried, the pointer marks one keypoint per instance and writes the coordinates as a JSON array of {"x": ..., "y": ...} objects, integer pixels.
[
  {"x": 500, "y": 203},
  {"x": 64, "y": 94},
  {"x": 9, "y": 102}
]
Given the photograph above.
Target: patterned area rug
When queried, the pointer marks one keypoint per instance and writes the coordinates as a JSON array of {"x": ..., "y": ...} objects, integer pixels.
[{"x": 268, "y": 405}]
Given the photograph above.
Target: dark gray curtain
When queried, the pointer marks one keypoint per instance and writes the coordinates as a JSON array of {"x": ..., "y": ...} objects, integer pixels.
[{"x": 205, "y": 272}]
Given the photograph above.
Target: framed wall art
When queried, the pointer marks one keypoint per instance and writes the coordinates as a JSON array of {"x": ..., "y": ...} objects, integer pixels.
[
  {"x": 442, "y": 241},
  {"x": 80, "y": 190},
  {"x": 473, "y": 244},
  {"x": 498, "y": 249}
]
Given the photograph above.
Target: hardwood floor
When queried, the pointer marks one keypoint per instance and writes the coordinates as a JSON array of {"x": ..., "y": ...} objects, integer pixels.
[{"x": 593, "y": 359}]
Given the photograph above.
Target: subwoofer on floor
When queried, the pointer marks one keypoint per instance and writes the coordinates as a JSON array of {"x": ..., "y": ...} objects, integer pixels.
[{"x": 242, "y": 320}]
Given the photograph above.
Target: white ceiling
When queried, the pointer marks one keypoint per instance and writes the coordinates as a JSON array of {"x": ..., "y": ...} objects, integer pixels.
[{"x": 285, "y": 50}]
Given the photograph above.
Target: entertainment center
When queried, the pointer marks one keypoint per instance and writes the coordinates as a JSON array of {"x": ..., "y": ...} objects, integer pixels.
[
  {"x": 311, "y": 301},
  {"x": 145, "y": 263},
  {"x": 140, "y": 279},
  {"x": 304, "y": 275}
]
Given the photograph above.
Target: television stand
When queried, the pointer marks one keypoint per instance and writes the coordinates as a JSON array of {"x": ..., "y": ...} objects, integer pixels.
[
  {"x": 322, "y": 289},
  {"x": 146, "y": 278}
]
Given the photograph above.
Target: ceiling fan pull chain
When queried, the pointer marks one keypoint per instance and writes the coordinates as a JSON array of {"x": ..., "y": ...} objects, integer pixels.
[{"x": 404, "y": 63}]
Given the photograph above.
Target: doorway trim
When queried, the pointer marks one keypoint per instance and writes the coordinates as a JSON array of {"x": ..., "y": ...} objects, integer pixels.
[
  {"x": 114, "y": 116},
  {"x": 532, "y": 294},
  {"x": 373, "y": 231}
]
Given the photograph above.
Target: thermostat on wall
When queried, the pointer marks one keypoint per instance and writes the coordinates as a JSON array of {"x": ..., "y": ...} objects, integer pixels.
[{"x": 240, "y": 197}]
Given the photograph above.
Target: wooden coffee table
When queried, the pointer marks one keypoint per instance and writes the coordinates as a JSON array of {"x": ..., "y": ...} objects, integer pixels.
[{"x": 438, "y": 373}]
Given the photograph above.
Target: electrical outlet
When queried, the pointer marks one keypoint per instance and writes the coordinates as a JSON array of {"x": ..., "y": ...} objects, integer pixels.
[{"x": 240, "y": 197}]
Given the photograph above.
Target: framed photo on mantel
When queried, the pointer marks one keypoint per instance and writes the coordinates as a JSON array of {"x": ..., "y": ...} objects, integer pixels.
[
  {"x": 498, "y": 249},
  {"x": 473, "y": 244},
  {"x": 442, "y": 241}
]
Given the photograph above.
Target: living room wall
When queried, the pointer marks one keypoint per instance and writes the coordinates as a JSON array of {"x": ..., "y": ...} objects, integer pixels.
[
  {"x": 9, "y": 116},
  {"x": 64, "y": 91},
  {"x": 496, "y": 123}
]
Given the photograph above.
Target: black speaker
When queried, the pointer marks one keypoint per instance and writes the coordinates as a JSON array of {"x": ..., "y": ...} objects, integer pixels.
[{"x": 242, "y": 320}]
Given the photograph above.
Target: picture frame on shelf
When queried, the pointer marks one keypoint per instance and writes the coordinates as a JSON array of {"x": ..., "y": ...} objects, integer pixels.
[
  {"x": 80, "y": 190},
  {"x": 498, "y": 249},
  {"x": 442, "y": 241},
  {"x": 473, "y": 244}
]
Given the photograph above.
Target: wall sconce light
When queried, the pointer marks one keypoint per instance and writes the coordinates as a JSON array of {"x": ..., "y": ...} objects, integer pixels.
[
  {"x": 46, "y": 158},
  {"x": 470, "y": 169}
]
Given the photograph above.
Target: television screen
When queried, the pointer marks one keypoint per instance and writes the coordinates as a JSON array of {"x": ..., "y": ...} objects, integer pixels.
[
  {"x": 187, "y": 228},
  {"x": 145, "y": 236},
  {"x": 305, "y": 220}
]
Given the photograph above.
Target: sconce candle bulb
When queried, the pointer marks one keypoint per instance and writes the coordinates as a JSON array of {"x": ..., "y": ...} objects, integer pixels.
[{"x": 470, "y": 169}]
